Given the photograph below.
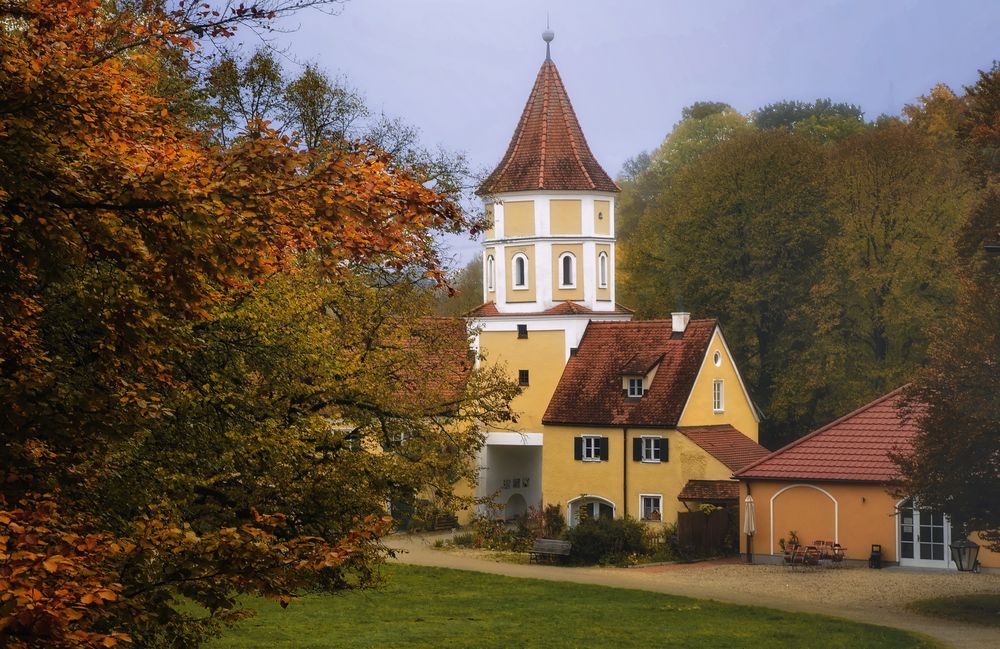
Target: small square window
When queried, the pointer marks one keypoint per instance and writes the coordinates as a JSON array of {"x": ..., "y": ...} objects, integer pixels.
[
  {"x": 522, "y": 331},
  {"x": 635, "y": 388},
  {"x": 651, "y": 449},
  {"x": 591, "y": 449},
  {"x": 651, "y": 508},
  {"x": 522, "y": 377}
]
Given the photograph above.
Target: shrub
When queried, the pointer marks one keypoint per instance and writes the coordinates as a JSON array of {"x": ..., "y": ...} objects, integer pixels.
[
  {"x": 553, "y": 523},
  {"x": 463, "y": 540},
  {"x": 606, "y": 541},
  {"x": 493, "y": 534}
]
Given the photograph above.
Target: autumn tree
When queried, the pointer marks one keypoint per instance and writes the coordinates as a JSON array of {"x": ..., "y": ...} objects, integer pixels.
[
  {"x": 466, "y": 289},
  {"x": 956, "y": 400},
  {"x": 213, "y": 370}
]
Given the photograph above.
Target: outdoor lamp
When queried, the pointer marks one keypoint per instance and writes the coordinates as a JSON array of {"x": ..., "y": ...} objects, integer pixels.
[{"x": 964, "y": 553}]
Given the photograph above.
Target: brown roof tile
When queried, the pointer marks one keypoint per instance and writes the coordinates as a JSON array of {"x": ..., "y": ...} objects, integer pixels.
[
  {"x": 854, "y": 448},
  {"x": 548, "y": 150},
  {"x": 590, "y": 389},
  {"x": 726, "y": 444},
  {"x": 707, "y": 491}
]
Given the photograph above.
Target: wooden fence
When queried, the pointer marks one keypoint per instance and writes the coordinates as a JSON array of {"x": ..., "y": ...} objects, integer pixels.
[{"x": 706, "y": 532}]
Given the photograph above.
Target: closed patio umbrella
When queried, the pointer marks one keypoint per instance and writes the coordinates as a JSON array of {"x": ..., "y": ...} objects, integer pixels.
[{"x": 749, "y": 524}]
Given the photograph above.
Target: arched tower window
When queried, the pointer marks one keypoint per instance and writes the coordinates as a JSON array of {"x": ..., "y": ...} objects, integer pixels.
[
  {"x": 490, "y": 273},
  {"x": 602, "y": 270},
  {"x": 520, "y": 261},
  {"x": 567, "y": 270}
]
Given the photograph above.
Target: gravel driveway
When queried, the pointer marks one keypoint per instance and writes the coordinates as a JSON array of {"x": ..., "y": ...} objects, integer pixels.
[{"x": 871, "y": 596}]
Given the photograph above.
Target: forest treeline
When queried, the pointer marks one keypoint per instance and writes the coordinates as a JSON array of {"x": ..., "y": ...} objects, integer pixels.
[{"x": 825, "y": 244}]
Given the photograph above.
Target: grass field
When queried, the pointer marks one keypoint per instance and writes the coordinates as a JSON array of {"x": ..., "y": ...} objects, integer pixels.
[
  {"x": 975, "y": 609},
  {"x": 430, "y": 607}
]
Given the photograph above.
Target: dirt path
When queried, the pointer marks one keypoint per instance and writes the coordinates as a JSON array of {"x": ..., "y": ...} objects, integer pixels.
[{"x": 862, "y": 595}]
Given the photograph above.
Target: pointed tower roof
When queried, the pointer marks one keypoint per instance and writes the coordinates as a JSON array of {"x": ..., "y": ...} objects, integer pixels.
[{"x": 548, "y": 150}]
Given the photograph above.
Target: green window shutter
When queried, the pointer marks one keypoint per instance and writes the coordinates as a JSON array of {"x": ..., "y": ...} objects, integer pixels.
[
  {"x": 664, "y": 450},
  {"x": 604, "y": 449},
  {"x": 637, "y": 449},
  {"x": 577, "y": 448}
]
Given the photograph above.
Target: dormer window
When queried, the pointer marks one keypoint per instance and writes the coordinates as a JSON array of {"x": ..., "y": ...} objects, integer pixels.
[
  {"x": 520, "y": 272},
  {"x": 635, "y": 387},
  {"x": 567, "y": 270}
]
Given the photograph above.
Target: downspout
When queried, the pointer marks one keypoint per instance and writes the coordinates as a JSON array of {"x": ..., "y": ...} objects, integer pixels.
[{"x": 624, "y": 472}]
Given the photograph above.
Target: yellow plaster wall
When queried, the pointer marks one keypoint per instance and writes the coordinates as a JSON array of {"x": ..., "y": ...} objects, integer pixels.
[
  {"x": 559, "y": 294},
  {"x": 603, "y": 294},
  {"x": 738, "y": 409},
  {"x": 866, "y": 516},
  {"x": 543, "y": 354},
  {"x": 564, "y": 479},
  {"x": 518, "y": 218},
  {"x": 520, "y": 295},
  {"x": 565, "y": 216},
  {"x": 602, "y": 225},
  {"x": 491, "y": 232},
  {"x": 491, "y": 295}
]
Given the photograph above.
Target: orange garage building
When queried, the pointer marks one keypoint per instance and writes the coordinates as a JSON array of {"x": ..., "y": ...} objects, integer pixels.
[{"x": 836, "y": 484}]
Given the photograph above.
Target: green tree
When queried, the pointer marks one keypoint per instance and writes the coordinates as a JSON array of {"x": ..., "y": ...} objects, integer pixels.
[
  {"x": 821, "y": 120},
  {"x": 897, "y": 196},
  {"x": 738, "y": 235},
  {"x": 704, "y": 126},
  {"x": 465, "y": 291}
]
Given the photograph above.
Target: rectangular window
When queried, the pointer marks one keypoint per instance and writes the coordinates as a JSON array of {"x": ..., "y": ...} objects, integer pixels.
[
  {"x": 591, "y": 449},
  {"x": 522, "y": 377},
  {"x": 522, "y": 331},
  {"x": 651, "y": 449},
  {"x": 718, "y": 396},
  {"x": 650, "y": 507},
  {"x": 635, "y": 387}
]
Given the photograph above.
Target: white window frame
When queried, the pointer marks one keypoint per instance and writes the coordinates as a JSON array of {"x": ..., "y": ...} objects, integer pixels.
[
  {"x": 651, "y": 449},
  {"x": 490, "y": 273},
  {"x": 718, "y": 396},
  {"x": 572, "y": 270},
  {"x": 591, "y": 448},
  {"x": 632, "y": 382},
  {"x": 602, "y": 270},
  {"x": 659, "y": 508},
  {"x": 513, "y": 272}
]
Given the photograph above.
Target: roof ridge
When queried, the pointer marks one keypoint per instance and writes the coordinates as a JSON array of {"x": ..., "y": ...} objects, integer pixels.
[{"x": 822, "y": 429}]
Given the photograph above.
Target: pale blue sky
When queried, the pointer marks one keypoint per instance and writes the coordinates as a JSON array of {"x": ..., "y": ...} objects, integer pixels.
[{"x": 461, "y": 71}]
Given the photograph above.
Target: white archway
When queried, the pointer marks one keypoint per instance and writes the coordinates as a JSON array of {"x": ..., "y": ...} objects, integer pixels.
[
  {"x": 836, "y": 509},
  {"x": 601, "y": 506}
]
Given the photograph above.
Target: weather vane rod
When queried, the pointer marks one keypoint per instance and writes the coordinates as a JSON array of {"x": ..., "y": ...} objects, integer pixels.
[{"x": 547, "y": 36}]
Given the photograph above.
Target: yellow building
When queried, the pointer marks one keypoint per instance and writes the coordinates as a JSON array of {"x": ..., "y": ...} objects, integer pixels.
[
  {"x": 615, "y": 416},
  {"x": 836, "y": 484}
]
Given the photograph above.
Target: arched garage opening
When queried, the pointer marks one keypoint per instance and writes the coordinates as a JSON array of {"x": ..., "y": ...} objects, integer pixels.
[{"x": 809, "y": 511}]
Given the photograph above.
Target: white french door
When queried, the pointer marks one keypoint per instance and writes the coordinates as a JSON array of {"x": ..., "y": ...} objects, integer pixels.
[{"x": 924, "y": 537}]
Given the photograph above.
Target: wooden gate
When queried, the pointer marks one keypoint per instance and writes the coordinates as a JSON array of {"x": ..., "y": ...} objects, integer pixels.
[{"x": 705, "y": 532}]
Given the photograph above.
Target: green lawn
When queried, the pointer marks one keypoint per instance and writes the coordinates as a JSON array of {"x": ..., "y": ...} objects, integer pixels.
[
  {"x": 430, "y": 607},
  {"x": 976, "y": 609}
]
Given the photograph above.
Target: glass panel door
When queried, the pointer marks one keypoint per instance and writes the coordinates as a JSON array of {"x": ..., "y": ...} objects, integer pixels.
[{"x": 923, "y": 536}]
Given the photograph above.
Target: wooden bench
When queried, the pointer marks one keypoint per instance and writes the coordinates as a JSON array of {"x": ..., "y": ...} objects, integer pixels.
[{"x": 549, "y": 550}]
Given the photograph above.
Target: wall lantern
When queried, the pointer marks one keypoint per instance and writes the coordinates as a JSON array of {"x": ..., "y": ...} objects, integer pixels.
[{"x": 964, "y": 553}]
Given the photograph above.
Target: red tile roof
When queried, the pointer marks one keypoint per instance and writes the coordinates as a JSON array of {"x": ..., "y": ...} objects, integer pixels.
[
  {"x": 590, "y": 389},
  {"x": 726, "y": 444},
  {"x": 429, "y": 374},
  {"x": 548, "y": 150},
  {"x": 854, "y": 448},
  {"x": 563, "y": 308},
  {"x": 707, "y": 491}
]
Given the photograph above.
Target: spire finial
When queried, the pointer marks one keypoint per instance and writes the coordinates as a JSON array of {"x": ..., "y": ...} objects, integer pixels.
[{"x": 547, "y": 36}]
